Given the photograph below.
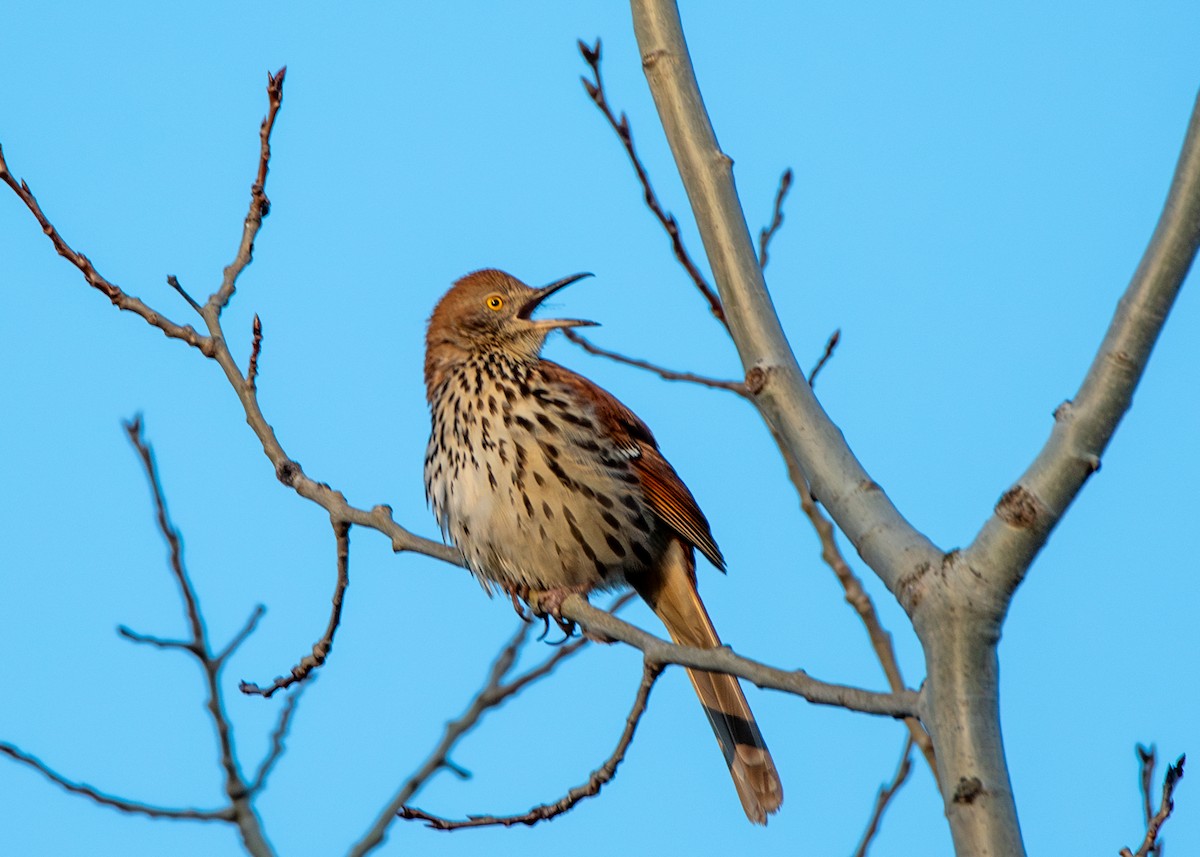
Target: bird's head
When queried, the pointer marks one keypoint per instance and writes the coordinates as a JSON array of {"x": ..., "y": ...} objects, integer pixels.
[{"x": 490, "y": 310}]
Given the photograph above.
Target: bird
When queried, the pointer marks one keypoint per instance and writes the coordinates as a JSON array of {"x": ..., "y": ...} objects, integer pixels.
[{"x": 548, "y": 485}]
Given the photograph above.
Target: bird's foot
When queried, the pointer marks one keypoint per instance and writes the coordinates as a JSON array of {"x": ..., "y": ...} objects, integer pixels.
[
  {"x": 522, "y": 595},
  {"x": 547, "y": 604}
]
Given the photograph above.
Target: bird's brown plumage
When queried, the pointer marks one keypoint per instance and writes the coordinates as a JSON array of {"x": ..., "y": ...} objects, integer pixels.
[{"x": 547, "y": 482}]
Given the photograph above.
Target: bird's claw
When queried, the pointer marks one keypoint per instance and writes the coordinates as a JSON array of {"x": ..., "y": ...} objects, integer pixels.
[
  {"x": 517, "y": 596},
  {"x": 546, "y": 604}
]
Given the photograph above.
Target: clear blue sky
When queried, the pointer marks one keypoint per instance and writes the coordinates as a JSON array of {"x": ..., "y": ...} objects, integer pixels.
[{"x": 973, "y": 189}]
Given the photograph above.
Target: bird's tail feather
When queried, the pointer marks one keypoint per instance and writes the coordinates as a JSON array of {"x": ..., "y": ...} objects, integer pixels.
[{"x": 671, "y": 592}]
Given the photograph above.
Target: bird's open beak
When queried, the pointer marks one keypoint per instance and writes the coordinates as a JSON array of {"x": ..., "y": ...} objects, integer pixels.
[{"x": 546, "y": 291}]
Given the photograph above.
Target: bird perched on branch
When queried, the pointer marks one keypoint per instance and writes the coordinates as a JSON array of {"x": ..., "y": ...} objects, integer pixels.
[{"x": 550, "y": 486}]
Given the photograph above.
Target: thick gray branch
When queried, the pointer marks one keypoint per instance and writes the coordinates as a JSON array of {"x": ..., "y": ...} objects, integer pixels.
[
  {"x": 1083, "y": 426},
  {"x": 888, "y": 543}
]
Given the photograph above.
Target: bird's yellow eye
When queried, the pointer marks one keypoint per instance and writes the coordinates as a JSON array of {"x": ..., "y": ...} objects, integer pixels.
[{"x": 495, "y": 302}]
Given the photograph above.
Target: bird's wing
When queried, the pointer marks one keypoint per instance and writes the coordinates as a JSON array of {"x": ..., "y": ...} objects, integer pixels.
[{"x": 663, "y": 489}]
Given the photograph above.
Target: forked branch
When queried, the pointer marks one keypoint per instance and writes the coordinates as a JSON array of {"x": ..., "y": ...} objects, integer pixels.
[
  {"x": 1150, "y": 845},
  {"x": 595, "y": 782},
  {"x": 497, "y": 689},
  {"x": 240, "y": 793}
]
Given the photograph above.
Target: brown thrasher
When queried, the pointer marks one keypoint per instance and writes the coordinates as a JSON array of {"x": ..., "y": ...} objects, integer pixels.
[{"x": 549, "y": 485}]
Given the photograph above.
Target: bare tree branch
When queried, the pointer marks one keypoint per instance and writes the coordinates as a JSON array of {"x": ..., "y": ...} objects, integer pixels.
[
  {"x": 260, "y": 206},
  {"x": 240, "y": 810},
  {"x": 596, "y": 781},
  {"x": 215, "y": 346},
  {"x": 241, "y": 636},
  {"x": 121, "y": 300},
  {"x": 666, "y": 374},
  {"x": 1151, "y": 846},
  {"x": 830, "y": 345},
  {"x": 1083, "y": 426},
  {"x": 857, "y": 597},
  {"x": 277, "y": 738},
  {"x": 236, "y": 789},
  {"x": 856, "y": 501},
  {"x": 957, "y": 599},
  {"x": 724, "y": 660},
  {"x": 225, "y": 813},
  {"x": 855, "y": 594},
  {"x": 494, "y": 693},
  {"x": 595, "y": 90},
  {"x": 156, "y": 642},
  {"x": 173, "y": 282},
  {"x": 1148, "y": 759},
  {"x": 321, "y": 648},
  {"x": 886, "y": 792},
  {"x": 959, "y": 702},
  {"x": 768, "y": 232}
]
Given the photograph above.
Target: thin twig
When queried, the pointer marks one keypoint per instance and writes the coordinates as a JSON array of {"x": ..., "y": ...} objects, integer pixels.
[
  {"x": 595, "y": 782},
  {"x": 858, "y": 598},
  {"x": 666, "y": 374},
  {"x": 277, "y": 738},
  {"x": 151, "y": 640},
  {"x": 123, "y": 804},
  {"x": 240, "y": 637},
  {"x": 321, "y": 648},
  {"x": 766, "y": 234},
  {"x": 886, "y": 792},
  {"x": 121, "y": 300},
  {"x": 199, "y": 641},
  {"x": 1151, "y": 845},
  {"x": 1148, "y": 760},
  {"x": 173, "y": 282},
  {"x": 260, "y": 205},
  {"x": 830, "y": 345},
  {"x": 595, "y": 90}
]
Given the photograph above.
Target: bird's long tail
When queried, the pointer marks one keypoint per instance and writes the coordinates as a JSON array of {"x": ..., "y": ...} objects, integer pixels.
[{"x": 671, "y": 592}]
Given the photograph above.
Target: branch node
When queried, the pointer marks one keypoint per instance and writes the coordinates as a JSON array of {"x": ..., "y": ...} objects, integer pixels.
[
  {"x": 756, "y": 380},
  {"x": 288, "y": 471},
  {"x": 255, "y": 350}
]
